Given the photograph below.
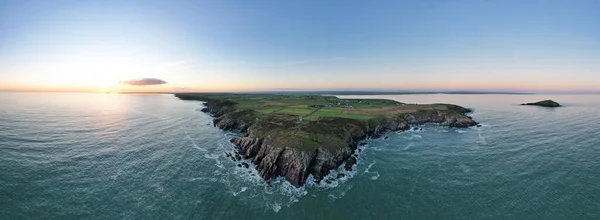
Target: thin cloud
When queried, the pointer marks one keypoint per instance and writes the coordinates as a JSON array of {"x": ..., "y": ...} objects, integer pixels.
[{"x": 145, "y": 82}]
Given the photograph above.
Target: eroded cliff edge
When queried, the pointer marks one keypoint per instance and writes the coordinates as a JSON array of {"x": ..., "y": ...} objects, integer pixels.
[{"x": 283, "y": 145}]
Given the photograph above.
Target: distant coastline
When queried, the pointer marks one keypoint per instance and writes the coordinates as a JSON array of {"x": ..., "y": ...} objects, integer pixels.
[
  {"x": 416, "y": 93},
  {"x": 358, "y": 92}
]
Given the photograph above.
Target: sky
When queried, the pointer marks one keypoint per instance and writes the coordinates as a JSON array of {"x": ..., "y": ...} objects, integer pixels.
[{"x": 210, "y": 46}]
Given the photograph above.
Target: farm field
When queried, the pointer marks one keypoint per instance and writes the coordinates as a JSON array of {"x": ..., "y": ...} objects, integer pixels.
[{"x": 315, "y": 107}]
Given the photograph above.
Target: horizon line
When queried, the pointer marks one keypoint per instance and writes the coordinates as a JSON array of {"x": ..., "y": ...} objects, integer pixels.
[{"x": 324, "y": 91}]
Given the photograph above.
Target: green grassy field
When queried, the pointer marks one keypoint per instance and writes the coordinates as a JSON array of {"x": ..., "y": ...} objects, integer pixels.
[
  {"x": 295, "y": 111},
  {"x": 270, "y": 110},
  {"x": 338, "y": 112},
  {"x": 305, "y": 105}
]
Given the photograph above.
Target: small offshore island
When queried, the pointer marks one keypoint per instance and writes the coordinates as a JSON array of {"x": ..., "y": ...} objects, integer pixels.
[
  {"x": 545, "y": 103},
  {"x": 296, "y": 135}
]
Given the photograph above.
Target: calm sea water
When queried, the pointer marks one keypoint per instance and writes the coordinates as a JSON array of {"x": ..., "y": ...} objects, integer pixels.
[{"x": 98, "y": 156}]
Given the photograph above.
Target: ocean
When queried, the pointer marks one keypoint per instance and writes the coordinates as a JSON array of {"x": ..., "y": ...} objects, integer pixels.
[{"x": 131, "y": 156}]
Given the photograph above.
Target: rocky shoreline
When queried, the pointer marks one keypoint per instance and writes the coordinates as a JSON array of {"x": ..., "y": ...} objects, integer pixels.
[{"x": 267, "y": 143}]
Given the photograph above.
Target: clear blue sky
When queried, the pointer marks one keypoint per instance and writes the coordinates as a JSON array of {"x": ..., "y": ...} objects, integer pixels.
[{"x": 265, "y": 45}]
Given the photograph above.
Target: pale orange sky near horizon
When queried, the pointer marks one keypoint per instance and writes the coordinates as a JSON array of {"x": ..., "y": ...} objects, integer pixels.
[{"x": 434, "y": 85}]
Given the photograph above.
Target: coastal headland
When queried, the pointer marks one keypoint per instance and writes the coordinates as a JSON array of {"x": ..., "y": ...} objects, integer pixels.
[{"x": 293, "y": 136}]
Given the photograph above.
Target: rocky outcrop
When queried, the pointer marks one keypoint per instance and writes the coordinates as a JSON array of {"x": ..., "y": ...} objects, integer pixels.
[
  {"x": 271, "y": 161},
  {"x": 545, "y": 103},
  {"x": 293, "y": 164},
  {"x": 233, "y": 120},
  {"x": 280, "y": 146}
]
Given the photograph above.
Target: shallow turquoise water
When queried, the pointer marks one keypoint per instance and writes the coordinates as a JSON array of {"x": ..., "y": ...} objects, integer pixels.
[{"x": 97, "y": 156}]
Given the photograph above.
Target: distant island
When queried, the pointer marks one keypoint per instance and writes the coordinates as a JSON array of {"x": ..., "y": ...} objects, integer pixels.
[
  {"x": 296, "y": 135},
  {"x": 545, "y": 103}
]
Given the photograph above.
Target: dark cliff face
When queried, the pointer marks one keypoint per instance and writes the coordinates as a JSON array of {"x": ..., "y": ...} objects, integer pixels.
[
  {"x": 272, "y": 161},
  {"x": 281, "y": 146},
  {"x": 450, "y": 119}
]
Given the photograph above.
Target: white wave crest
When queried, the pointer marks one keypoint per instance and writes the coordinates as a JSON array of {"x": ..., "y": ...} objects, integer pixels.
[{"x": 369, "y": 167}]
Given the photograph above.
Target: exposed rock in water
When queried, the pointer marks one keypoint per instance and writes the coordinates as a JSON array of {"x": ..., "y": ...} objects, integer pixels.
[
  {"x": 362, "y": 144},
  {"x": 349, "y": 163},
  {"x": 545, "y": 103},
  {"x": 245, "y": 165},
  {"x": 239, "y": 165},
  {"x": 341, "y": 175}
]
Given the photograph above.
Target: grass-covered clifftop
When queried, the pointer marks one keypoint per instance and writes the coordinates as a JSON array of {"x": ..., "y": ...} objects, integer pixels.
[{"x": 297, "y": 135}]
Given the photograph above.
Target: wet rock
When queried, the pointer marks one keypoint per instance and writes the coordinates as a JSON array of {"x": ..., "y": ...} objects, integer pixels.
[
  {"x": 362, "y": 144},
  {"x": 478, "y": 126},
  {"x": 359, "y": 150},
  {"x": 349, "y": 163},
  {"x": 341, "y": 175},
  {"x": 245, "y": 165},
  {"x": 386, "y": 137},
  {"x": 238, "y": 157},
  {"x": 239, "y": 165},
  {"x": 415, "y": 128},
  {"x": 328, "y": 181},
  {"x": 269, "y": 184}
]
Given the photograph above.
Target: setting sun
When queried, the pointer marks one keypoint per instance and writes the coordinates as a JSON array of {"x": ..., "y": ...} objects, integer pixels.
[{"x": 109, "y": 86}]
